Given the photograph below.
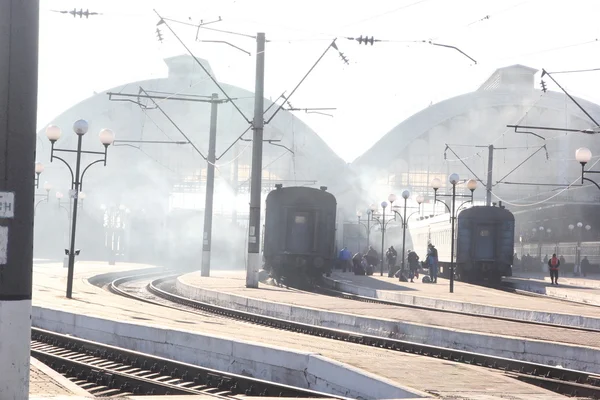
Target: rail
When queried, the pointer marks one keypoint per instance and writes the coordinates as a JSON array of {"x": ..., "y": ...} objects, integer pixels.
[{"x": 106, "y": 370}]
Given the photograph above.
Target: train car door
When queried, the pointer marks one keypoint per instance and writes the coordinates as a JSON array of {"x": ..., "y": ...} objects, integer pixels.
[
  {"x": 299, "y": 235},
  {"x": 485, "y": 242}
]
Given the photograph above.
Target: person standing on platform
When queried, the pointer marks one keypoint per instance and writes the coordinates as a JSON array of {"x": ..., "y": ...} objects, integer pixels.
[
  {"x": 344, "y": 259},
  {"x": 413, "y": 265},
  {"x": 585, "y": 266},
  {"x": 554, "y": 264},
  {"x": 392, "y": 256},
  {"x": 372, "y": 256},
  {"x": 432, "y": 262}
]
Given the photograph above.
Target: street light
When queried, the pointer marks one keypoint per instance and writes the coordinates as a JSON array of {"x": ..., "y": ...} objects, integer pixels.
[
  {"x": 404, "y": 219},
  {"x": 39, "y": 168},
  {"x": 578, "y": 244},
  {"x": 53, "y": 133},
  {"x": 583, "y": 155},
  {"x": 47, "y": 188},
  {"x": 367, "y": 226},
  {"x": 454, "y": 180}
]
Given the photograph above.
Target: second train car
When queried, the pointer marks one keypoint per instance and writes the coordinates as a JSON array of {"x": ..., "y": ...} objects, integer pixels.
[{"x": 484, "y": 242}]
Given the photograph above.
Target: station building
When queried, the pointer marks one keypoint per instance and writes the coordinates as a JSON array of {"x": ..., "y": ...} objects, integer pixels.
[
  {"x": 453, "y": 136},
  {"x": 149, "y": 177}
]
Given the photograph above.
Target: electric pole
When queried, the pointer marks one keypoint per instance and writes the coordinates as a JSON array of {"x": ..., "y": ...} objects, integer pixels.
[
  {"x": 210, "y": 187},
  {"x": 19, "y": 24},
  {"x": 254, "y": 258},
  {"x": 236, "y": 167},
  {"x": 488, "y": 186}
]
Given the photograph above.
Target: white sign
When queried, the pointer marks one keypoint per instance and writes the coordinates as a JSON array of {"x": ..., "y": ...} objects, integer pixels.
[
  {"x": 7, "y": 204},
  {"x": 3, "y": 245}
]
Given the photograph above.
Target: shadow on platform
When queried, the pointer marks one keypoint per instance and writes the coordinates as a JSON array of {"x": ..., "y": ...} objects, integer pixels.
[{"x": 378, "y": 283}]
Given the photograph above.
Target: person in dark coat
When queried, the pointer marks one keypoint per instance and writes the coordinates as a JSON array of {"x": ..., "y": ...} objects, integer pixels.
[
  {"x": 413, "y": 265},
  {"x": 372, "y": 256},
  {"x": 392, "y": 256},
  {"x": 553, "y": 265},
  {"x": 432, "y": 262},
  {"x": 585, "y": 266}
]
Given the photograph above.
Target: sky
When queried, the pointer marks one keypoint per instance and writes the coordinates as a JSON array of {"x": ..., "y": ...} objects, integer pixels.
[{"x": 382, "y": 85}]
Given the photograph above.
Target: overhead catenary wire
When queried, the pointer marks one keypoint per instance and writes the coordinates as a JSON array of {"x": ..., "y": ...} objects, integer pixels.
[
  {"x": 162, "y": 21},
  {"x": 569, "y": 186},
  {"x": 175, "y": 125},
  {"x": 332, "y": 44}
]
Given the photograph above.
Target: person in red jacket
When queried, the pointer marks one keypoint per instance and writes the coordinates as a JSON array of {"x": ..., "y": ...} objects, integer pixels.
[{"x": 554, "y": 264}]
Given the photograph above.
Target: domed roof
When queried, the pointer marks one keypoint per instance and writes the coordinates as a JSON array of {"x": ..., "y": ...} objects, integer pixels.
[
  {"x": 298, "y": 155},
  {"x": 507, "y": 87}
]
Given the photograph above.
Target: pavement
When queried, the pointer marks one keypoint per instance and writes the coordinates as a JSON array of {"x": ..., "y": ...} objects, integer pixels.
[
  {"x": 438, "y": 378},
  {"x": 235, "y": 284}
]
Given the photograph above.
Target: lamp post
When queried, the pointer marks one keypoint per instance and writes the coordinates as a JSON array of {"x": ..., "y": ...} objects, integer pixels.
[
  {"x": 454, "y": 180},
  {"x": 47, "y": 188},
  {"x": 114, "y": 225},
  {"x": 369, "y": 213},
  {"x": 384, "y": 205},
  {"x": 404, "y": 219},
  {"x": 579, "y": 225},
  {"x": 39, "y": 168},
  {"x": 80, "y": 127}
]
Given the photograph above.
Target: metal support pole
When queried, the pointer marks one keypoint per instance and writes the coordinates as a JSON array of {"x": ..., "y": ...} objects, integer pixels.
[
  {"x": 452, "y": 239},
  {"x": 404, "y": 221},
  {"x": 382, "y": 240},
  {"x": 256, "y": 177},
  {"x": 210, "y": 187},
  {"x": 74, "y": 221},
  {"x": 358, "y": 234},
  {"x": 368, "y": 231},
  {"x": 19, "y": 24},
  {"x": 488, "y": 186},
  {"x": 236, "y": 167}
]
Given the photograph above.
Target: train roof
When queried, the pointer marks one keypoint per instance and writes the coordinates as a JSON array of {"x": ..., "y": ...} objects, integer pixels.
[
  {"x": 300, "y": 192},
  {"x": 487, "y": 212}
]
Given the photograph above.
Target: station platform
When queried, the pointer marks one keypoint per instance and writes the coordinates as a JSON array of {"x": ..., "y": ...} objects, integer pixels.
[
  {"x": 576, "y": 289},
  {"x": 425, "y": 376},
  {"x": 233, "y": 283},
  {"x": 476, "y": 294}
]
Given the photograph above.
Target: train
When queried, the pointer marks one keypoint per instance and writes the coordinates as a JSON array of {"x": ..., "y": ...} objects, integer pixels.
[
  {"x": 484, "y": 245},
  {"x": 299, "y": 234}
]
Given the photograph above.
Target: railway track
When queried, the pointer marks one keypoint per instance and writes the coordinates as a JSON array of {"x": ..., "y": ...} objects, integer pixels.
[
  {"x": 563, "y": 381},
  {"x": 108, "y": 371},
  {"x": 365, "y": 299}
]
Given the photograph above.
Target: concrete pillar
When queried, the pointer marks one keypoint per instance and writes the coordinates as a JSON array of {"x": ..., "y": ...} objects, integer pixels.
[{"x": 19, "y": 24}]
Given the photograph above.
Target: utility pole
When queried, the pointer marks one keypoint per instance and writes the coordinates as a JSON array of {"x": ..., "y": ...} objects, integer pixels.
[
  {"x": 19, "y": 24},
  {"x": 488, "y": 186},
  {"x": 210, "y": 187},
  {"x": 236, "y": 167},
  {"x": 256, "y": 175}
]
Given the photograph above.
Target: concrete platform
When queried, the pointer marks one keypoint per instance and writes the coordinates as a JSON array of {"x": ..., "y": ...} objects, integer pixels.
[
  {"x": 472, "y": 299},
  {"x": 580, "y": 290},
  {"x": 132, "y": 320},
  {"x": 45, "y": 383},
  {"x": 549, "y": 345}
]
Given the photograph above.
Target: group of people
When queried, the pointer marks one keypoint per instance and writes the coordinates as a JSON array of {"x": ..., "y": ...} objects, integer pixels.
[{"x": 366, "y": 262}]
